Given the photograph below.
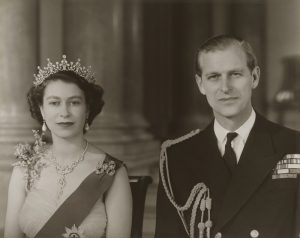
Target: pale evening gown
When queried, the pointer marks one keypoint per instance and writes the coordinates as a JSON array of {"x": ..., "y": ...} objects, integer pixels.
[{"x": 41, "y": 202}]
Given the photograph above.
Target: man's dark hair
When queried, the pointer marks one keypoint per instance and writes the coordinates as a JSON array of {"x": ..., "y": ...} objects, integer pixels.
[{"x": 221, "y": 42}]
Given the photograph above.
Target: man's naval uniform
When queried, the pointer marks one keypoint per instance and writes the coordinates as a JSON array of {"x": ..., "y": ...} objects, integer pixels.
[{"x": 255, "y": 201}]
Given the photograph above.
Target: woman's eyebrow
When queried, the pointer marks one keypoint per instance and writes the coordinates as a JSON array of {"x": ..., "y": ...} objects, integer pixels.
[
  {"x": 80, "y": 97},
  {"x": 52, "y": 97},
  {"x": 57, "y": 97}
]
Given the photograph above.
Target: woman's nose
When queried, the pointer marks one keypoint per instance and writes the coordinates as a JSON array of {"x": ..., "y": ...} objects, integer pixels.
[{"x": 64, "y": 110}]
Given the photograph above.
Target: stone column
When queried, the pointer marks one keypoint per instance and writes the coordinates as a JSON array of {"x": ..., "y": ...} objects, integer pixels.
[
  {"x": 283, "y": 36},
  {"x": 192, "y": 25},
  {"x": 248, "y": 21},
  {"x": 107, "y": 36},
  {"x": 18, "y": 58},
  {"x": 221, "y": 10},
  {"x": 50, "y": 30}
]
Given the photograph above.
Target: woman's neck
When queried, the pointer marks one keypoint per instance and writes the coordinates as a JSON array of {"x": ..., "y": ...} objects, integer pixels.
[{"x": 67, "y": 150}]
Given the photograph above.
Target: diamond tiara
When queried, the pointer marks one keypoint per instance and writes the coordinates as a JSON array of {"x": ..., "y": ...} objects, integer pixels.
[{"x": 63, "y": 65}]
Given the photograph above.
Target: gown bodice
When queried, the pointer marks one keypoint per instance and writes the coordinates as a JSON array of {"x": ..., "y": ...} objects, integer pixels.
[{"x": 42, "y": 201}]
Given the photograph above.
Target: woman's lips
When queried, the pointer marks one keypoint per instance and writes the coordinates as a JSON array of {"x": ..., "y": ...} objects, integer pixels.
[{"x": 65, "y": 124}]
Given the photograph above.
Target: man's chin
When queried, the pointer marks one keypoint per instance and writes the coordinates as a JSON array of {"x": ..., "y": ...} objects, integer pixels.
[
  {"x": 229, "y": 113},
  {"x": 232, "y": 114}
]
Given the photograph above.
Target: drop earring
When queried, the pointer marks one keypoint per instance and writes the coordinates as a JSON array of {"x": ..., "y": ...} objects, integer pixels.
[
  {"x": 44, "y": 127},
  {"x": 86, "y": 126}
]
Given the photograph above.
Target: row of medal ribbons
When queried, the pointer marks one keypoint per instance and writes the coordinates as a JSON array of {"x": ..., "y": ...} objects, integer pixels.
[{"x": 288, "y": 167}]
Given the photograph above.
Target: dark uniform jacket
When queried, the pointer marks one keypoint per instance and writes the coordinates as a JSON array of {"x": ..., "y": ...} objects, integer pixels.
[{"x": 248, "y": 201}]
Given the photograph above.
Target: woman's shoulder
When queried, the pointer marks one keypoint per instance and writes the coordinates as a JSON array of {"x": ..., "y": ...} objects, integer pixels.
[
  {"x": 103, "y": 160},
  {"x": 99, "y": 155},
  {"x": 28, "y": 153},
  {"x": 30, "y": 159}
]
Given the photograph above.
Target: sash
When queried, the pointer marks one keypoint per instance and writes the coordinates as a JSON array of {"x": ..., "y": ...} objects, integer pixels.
[{"x": 79, "y": 204}]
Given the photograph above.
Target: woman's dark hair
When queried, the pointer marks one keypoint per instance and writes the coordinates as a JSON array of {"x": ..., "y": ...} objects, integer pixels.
[{"x": 93, "y": 94}]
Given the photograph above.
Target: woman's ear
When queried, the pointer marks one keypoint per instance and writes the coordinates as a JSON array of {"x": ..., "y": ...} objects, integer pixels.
[
  {"x": 87, "y": 113},
  {"x": 199, "y": 83},
  {"x": 42, "y": 111}
]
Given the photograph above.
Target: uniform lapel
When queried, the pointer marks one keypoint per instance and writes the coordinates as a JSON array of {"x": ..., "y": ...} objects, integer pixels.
[
  {"x": 256, "y": 162},
  {"x": 214, "y": 173},
  {"x": 211, "y": 158}
]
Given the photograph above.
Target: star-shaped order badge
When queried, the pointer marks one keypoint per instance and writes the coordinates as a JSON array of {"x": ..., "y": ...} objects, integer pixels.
[{"x": 74, "y": 232}]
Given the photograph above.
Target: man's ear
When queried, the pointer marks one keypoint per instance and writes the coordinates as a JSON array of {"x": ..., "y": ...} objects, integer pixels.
[
  {"x": 255, "y": 77},
  {"x": 199, "y": 83}
]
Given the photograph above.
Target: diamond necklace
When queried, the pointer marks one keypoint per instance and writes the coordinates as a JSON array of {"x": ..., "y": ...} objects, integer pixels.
[{"x": 64, "y": 170}]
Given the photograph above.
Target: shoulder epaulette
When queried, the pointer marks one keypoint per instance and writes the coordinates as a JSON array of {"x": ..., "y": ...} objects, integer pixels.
[
  {"x": 199, "y": 198},
  {"x": 168, "y": 143}
]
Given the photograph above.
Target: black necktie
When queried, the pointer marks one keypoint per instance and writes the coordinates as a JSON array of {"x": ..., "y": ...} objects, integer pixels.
[{"x": 229, "y": 155}]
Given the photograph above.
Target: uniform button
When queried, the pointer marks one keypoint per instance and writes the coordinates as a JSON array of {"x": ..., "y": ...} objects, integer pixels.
[
  {"x": 254, "y": 233},
  {"x": 218, "y": 235}
]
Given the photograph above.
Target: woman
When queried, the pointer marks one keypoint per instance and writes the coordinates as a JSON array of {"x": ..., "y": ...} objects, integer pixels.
[{"x": 67, "y": 188}]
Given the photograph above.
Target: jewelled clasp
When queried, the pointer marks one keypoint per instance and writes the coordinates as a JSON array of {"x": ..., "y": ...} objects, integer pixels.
[{"x": 108, "y": 167}]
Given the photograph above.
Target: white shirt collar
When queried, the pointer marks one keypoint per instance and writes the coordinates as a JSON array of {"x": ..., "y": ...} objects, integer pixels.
[{"x": 243, "y": 131}]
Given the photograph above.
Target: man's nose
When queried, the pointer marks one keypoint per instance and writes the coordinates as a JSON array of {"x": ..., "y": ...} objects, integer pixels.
[{"x": 225, "y": 83}]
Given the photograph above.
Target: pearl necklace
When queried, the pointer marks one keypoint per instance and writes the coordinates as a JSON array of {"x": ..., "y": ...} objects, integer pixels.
[{"x": 62, "y": 171}]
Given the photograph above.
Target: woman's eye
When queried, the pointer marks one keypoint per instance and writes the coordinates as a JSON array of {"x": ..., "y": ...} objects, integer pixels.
[
  {"x": 54, "y": 103},
  {"x": 75, "y": 103}
]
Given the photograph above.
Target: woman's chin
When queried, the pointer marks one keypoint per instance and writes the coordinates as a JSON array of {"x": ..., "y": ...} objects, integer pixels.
[{"x": 64, "y": 134}]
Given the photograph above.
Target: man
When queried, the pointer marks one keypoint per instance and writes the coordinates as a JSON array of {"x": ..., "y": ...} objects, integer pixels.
[{"x": 237, "y": 177}]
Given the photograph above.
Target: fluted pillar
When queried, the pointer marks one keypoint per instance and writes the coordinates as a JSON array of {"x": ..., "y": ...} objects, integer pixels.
[
  {"x": 283, "y": 36},
  {"x": 248, "y": 21},
  {"x": 192, "y": 25},
  {"x": 18, "y": 55},
  {"x": 107, "y": 35},
  {"x": 221, "y": 11}
]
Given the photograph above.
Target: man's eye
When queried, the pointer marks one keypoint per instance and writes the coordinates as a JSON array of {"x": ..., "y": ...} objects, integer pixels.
[
  {"x": 236, "y": 74},
  {"x": 212, "y": 77}
]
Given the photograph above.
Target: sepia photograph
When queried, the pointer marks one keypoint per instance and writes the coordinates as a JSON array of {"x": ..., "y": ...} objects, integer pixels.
[{"x": 149, "y": 118}]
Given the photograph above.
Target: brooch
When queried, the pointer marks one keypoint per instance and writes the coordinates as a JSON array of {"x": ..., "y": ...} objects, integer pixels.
[
  {"x": 74, "y": 232},
  {"x": 108, "y": 167},
  {"x": 31, "y": 157}
]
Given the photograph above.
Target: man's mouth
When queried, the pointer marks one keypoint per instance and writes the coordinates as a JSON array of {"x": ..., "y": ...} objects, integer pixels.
[{"x": 228, "y": 99}]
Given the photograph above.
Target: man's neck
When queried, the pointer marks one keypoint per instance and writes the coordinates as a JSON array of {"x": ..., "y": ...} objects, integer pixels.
[{"x": 233, "y": 123}]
